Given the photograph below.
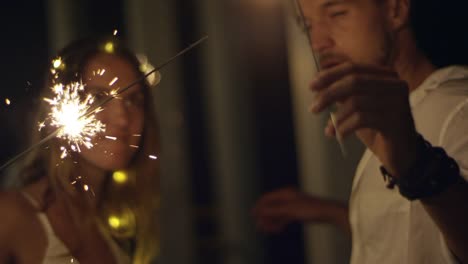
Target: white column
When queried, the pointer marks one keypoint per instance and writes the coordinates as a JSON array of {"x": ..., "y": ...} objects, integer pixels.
[
  {"x": 152, "y": 29},
  {"x": 323, "y": 169},
  {"x": 231, "y": 135}
]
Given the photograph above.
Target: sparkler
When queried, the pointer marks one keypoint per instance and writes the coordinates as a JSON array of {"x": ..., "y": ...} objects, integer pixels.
[
  {"x": 77, "y": 131},
  {"x": 317, "y": 66},
  {"x": 69, "y": 116}
]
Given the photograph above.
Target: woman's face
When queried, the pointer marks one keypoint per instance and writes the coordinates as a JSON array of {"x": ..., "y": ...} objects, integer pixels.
[{"x": 123, "y": 116}]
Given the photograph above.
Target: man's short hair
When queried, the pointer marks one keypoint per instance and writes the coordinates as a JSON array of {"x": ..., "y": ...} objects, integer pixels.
[{"x": 441, "y": 30}]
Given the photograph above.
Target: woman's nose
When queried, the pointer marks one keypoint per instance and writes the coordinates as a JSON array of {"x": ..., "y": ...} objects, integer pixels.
[{"x": 118, "y": 113}]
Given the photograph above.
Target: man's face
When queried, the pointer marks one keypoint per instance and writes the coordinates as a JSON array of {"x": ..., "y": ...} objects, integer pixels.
[{"x": 343, "y": 30}]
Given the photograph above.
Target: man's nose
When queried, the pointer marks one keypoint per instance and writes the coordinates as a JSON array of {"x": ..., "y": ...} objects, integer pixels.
[{"x": 321, "y": 38}]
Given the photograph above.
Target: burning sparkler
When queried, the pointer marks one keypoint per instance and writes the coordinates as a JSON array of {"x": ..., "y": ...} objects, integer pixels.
[
  {"x": 70, "y": 115},
  {"x": 74, "y": 117}
]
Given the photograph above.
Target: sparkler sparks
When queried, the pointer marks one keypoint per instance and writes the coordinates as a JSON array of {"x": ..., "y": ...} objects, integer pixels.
[
  {"x": 57, "y": 63},
  {"x": 89, "y": 112},
  {"x": 7, "y": 101},
  {"x": 70, "y": 113},
  {"x": 113, "y": 81},
  {"x": 153, "y": 157}
]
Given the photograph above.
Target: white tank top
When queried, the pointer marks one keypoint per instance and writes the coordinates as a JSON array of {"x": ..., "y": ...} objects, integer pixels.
[{"x": 57, "y": 252}]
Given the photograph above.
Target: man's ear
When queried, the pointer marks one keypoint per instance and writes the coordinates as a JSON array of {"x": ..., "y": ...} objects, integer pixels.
[{"x": 398, "y": 13}]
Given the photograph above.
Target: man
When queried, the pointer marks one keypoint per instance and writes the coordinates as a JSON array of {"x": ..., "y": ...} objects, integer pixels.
[{"x": 389, "y": 65}]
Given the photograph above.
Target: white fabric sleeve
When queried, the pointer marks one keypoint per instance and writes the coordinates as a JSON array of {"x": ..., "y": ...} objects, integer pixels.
[
  {"x": 454, "y": 136},
  {"x": 454, "y": 139}
]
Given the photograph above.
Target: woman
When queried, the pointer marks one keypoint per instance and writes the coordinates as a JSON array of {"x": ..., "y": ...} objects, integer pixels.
[{"x": 93, "y": 206}]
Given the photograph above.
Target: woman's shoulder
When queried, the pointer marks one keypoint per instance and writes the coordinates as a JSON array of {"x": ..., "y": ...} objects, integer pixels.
[
  {"x": 14, "y": 213},
  {"x": 20, "y": 231},
  {"x": 14, "y": 207},
  {"x": 19, "y": 207}
]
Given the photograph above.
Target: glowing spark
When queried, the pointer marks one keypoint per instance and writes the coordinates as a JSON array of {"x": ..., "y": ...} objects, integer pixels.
[
  {"x": 152, "y": 157},
  {"x": 113, "y": 81},
  {"x": 112, "y": 138},
  {"x": 114, "y": 92},
  {"x": 70, "y": 115},
  {"x": 136, "y": 135},
  {"x": 7, "y": 101},
  {"x": 102, "y": 72},
  {"x": 57, "y": 63},
  {"x": 64, "y": 152},
  {"x": 133, "y": 146},
  {"x": 115, "y": 32},
  {"x": 41, "y": 125},
  {"x": 85, "y": 187}
]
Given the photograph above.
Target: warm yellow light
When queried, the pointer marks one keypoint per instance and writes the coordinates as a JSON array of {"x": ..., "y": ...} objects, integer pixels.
[
  {"x": 122, "y": 222},
  {"x": 114, "y": 221},
  {"x": 57, "y": 62},
  {"x": 109, "y": 47},
  {"x": 7, "y": 101},
  {"x": 145, "y": 67},
  {"x": 120, "y": 177}
]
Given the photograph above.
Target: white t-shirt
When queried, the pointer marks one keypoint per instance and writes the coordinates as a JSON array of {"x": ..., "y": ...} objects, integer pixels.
[{"x": 387, "y": 228}]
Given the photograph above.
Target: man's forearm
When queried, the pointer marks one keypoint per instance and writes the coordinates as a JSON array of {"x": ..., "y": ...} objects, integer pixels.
[{"x": 449, "y": 210}]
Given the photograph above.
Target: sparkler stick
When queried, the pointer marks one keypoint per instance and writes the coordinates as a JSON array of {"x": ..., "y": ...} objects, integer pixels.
[
  {"x": 120, "y": 91},
  {"x": 105, "y": 101},
  {"x": 38, "y": 144},
  {"x": 317, "y": 66}
]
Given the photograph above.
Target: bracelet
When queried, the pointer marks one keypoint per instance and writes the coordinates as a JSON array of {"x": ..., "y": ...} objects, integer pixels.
[{"x": 432, "y": 173}]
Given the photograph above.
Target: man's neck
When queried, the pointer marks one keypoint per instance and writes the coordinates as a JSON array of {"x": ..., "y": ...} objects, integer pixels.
[{"x": 412, "y": 65}]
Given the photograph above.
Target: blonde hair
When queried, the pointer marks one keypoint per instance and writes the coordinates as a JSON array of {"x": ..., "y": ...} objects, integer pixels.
[{"x": 46, "y": 161}]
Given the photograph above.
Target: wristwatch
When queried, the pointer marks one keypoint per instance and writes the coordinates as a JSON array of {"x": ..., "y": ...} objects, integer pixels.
[{"x": 432, "y": 173}]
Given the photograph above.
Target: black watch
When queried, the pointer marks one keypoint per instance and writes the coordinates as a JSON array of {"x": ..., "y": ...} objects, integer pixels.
[{"x": 431, "y": 173}]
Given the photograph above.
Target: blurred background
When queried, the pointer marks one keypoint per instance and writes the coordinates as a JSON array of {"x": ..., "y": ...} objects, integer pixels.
[{"x": 233, "y": 115}]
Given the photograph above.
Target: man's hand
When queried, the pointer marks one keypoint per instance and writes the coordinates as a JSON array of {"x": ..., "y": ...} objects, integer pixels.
[
  {"x": 275, "y": 210},
  {"x": 373, "y": 103}
]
